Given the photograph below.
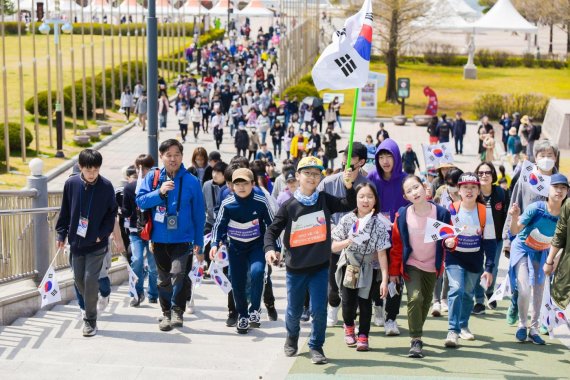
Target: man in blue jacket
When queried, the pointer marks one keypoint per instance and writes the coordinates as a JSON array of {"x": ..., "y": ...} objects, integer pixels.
[
  {"x": 86, "y": 219},
  {"x": 178, "y": 215}
]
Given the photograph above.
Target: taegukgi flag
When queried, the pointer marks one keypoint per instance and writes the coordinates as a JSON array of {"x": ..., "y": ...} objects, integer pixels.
[
  {"x": 436, "y": 230},
  {"x": 49, "y": 288},
  {"x": 437, "y": 154},
  {"x": 539, "y": 183},
  {"x": 345, "y": 63}
]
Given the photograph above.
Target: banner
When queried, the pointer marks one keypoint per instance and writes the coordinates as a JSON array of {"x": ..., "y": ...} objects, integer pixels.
[{"x": 368, "y": 95}]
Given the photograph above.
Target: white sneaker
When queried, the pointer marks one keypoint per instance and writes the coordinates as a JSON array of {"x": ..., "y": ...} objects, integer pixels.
[
  {"x": 444, "y": 307},
  {"x": 102, "y": 303},
  {"x": 332, "y": 315},
  {"x": 436, "y": 310},
  {"x": 465, "y": 334},
  {"x": 82, "y": 315},
  {"x": 379, "y": 316},
  {"x": 190, "y": 306},
  {"x": 451, "y": 340},
  {"x": 391, "y": 328}
]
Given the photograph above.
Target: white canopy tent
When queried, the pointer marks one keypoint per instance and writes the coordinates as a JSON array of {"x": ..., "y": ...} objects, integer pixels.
[
  {"x": 130, "y": 7},
  {"x": 444, "y": 15},
  {"x": 99, "y": 7},
  {"x": 255, "y": 9},
  {"x": 164, "y": 8},
  {"x": 220, "y": 9},
  {"x": 502, "y": 17},
  {"x": 193, "y": 8}
]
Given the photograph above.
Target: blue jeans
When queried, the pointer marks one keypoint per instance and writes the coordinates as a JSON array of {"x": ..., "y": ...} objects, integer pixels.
[
  {"x": 458, "y": 144},
  {"x": 460, "y": 297},
  {"x": 297, "y": 285},
  {"x": 240, "y": 264},
  {"x": 162, "y": 120},
  {"x": 263, "y": 137},
  {"x": 104, "y": 289},
  {"x": 138, "y": 247}
]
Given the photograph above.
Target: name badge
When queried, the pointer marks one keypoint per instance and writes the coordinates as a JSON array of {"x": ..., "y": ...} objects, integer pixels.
[
  {"x": 160, "y": 214},
  {"x": 82, "y": 227}
]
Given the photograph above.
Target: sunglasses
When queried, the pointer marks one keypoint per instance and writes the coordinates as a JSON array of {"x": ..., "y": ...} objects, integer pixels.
[{"x": 482, "y": 173}]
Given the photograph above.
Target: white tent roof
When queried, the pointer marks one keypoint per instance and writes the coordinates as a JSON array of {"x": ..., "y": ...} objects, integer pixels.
[
  {"x": 220, "y": 9},
  {"x": 130, "y": 7},
  {"x": 164, "y": 8},
  {"x": 255, "y": 8},
  {"x": 193, "y": 7},
  {"x": 442, "y": 15},
  {"x": 503, "y": 17},
  {"x": 98, "y": 7},
  {"x": 462, "y": 9}
]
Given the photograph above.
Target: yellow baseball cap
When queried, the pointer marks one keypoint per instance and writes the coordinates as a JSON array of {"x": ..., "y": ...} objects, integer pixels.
[{"x": 310, "y": 162}]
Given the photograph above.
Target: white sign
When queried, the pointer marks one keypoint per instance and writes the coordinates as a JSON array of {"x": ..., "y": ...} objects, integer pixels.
[{"x": 368, "y": 95}]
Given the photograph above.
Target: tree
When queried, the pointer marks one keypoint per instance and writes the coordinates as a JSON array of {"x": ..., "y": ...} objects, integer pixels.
[
  {"x": 393, "y": 24},
  {"x": 7, "y": 7}
]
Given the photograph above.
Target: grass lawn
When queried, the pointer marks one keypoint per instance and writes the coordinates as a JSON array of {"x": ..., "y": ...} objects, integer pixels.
[
  {"x": 120, "y": 52},
  {"x": 456, "y": 94}
]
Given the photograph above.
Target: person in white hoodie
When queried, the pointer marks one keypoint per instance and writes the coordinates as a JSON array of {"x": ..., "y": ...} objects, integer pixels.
[
  {"x": 183, "y": 116},
  {"x": 196, "y": 118},
  {"x": 127, "y": 101}
]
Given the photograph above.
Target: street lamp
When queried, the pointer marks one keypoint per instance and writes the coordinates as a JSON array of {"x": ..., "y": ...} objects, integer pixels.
[{"x": 56, "y": 19}]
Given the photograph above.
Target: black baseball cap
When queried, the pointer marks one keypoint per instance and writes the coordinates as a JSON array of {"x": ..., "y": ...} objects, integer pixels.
[
  {"x": 290, "y": 176},
  {"x": 358, "y": 150}
]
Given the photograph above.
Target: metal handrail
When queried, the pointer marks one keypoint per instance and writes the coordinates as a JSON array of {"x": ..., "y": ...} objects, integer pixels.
[
  {"x": 31, "y": 193},
  {"x": 40, "y": 210}
]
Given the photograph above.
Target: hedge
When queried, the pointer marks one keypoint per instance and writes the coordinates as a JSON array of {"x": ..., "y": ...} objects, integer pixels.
[
  {"x": 14, "y": 138},
  {"x": 11, "y": 28},
  {"x": 494, "y": 105},
  {"x": 308, "y": 78},
  {"x": 99, "y": 29},
  {"x": 485, "y": 59},
  {"x": 301, "y": 91}
]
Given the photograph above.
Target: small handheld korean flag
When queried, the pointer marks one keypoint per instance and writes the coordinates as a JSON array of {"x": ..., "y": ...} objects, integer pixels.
[
  {"x": 222, "y": 257},
  {"x": 437, "y": 154},
  {"x": 207, "y": 238},
  {"x": 436, "y": 230},
  {"x": 49, "y": 288},
  {"x": 345, "y": 63},
  {"x": 358, "y": 234},
  {"x": 133, "y": 279},
  {"x": 220, "y": 278},
  {"x": 539, "y": 183},
  {"x": 196, "y": 274},
  {"x": 503, "y": 290}
]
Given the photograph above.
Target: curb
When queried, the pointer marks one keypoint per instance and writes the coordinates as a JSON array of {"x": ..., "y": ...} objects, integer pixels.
[{"x": 68, "y": 164}]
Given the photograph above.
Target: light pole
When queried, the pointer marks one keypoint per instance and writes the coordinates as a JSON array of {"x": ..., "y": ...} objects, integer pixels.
[
  {"x": 57, "y": 21},
  {"x": 152, "y": 84}
]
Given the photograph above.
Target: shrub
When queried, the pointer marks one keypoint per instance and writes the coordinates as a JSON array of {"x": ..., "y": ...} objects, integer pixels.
[
  {"x": 307, "y": 79},
  {"x": 301, "y": 90},
  {"x": 213, "y": 35},
  {"x": 483, "y": 58},
  {"x": 43, "y": 102},
  {"x": 447, "y": 54},
  {"x": 14, "y": 137},
  {"x": 494, "y": 105},
  {"x": 490, "y": 105},
  {"x": 431, "y": 53},
  {"x": 528, "y": 60},
  {"x": 499, "y": 58},
  {"x": 11, "y": 28}
]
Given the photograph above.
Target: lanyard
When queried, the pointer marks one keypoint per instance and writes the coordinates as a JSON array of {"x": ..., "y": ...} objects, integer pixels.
[
  {"x": 179, "y": 195},
  {"x": 81, "y": 203}
]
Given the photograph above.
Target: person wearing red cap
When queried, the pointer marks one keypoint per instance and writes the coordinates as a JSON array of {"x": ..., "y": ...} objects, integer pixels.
[{"x": 465, "y": 254}]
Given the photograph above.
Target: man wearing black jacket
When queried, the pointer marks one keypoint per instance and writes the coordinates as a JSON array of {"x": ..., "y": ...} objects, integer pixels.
[
  {"x": 86, "y": 219},
  {"x": 458, "y": 131}
]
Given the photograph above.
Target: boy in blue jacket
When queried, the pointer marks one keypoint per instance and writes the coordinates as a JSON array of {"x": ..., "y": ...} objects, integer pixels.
[
  {"x": 243, "y": 218},
  {"x": 178, "y": 215}
]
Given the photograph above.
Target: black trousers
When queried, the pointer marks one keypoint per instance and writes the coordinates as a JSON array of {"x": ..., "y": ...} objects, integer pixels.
[
  {"x": 334, "y": 297},
  {"x": 351, "y": 302},
  {"x": 173, "y": 282}
]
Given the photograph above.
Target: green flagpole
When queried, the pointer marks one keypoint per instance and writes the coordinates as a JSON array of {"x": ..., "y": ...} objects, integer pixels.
[{"x": 351, "y": 139}]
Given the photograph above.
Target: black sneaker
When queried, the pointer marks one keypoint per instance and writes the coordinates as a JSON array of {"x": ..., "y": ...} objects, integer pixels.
[
  {"x": 416, "y": 349},
  {"x": 493, "y": 305},
  {"x": 166, "y": 323},
  {"x": 291, "y": 346},
  {"x": 177, "y": 317},
  {"x": 255, "y": 319},
  {"x": 243, "y": 325},
  {"x": 478, "y": 309},
  {"x": 136, "y": 302},
  {"x": 152, "y": 300},
  {"x": 306, "y": 315},
  {"x": 272, "y": 313},
  {"x": 318, "y": 356},
  {"x": 89, "y": 328},
  {"x": 232, "y": 319}
]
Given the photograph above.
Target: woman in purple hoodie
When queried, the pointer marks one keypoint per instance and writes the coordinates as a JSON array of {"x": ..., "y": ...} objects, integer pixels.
[{"x": 388, "y": 177}]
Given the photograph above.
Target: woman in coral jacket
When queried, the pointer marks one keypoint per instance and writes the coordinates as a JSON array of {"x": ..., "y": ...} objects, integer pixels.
[{"x": 419, "y": 263}]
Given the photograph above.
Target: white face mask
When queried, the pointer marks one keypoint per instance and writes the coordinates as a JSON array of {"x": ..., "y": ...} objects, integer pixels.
[
  {"x": 452, "y": 189},
  {"x": 545, "y": 164}
]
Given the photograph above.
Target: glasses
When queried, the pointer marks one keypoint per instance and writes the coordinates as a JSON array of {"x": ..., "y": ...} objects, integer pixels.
[
  {"x": 311, "y": 174},
  {"x": 482, "y": 173},
  {"x": 351, "y": 167}
]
